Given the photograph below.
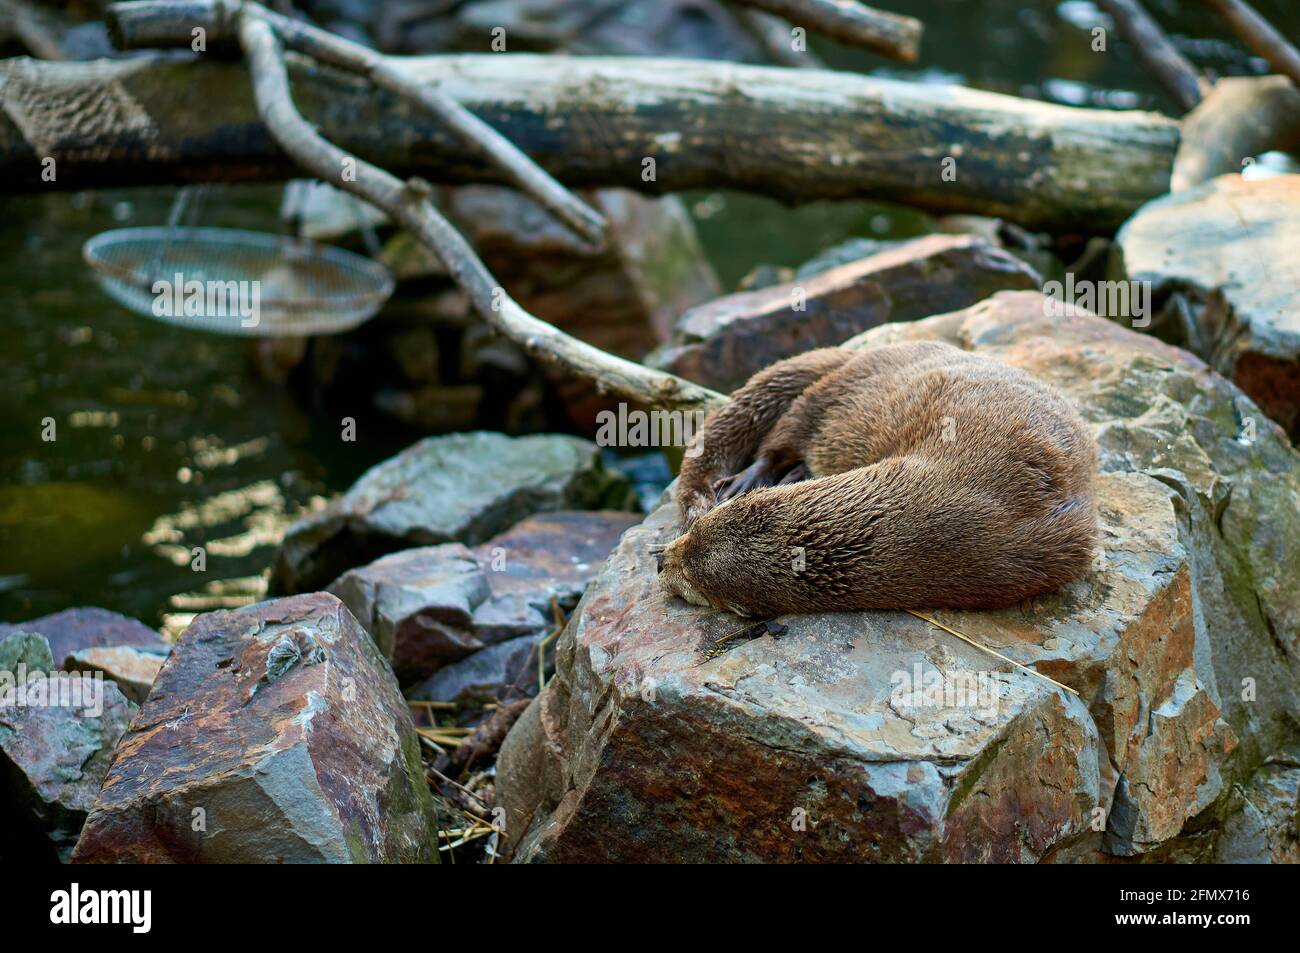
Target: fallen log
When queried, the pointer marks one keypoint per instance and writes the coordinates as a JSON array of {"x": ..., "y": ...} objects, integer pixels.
[{"x": 652, "y": 125}]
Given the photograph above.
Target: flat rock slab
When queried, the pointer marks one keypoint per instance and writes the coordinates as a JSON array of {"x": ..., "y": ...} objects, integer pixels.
[
  {"x": 432, "y": 606},
  {"x": 725, "y": 342},
  {"x": 54, "y": 753},
  {"x": 502, "y": 672},
  {"x": 1222, "y": 261},
  {"x": 461, "y": 487},
  {"x": 74, "y": 629},
  {"x": 677, "y": 733},
  {"x": 132, "y": 669},
  {"x": 275, "y": 733}
]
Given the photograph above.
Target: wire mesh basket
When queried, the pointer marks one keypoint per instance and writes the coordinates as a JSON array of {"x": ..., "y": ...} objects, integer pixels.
[{"x": 231, "y": 281}]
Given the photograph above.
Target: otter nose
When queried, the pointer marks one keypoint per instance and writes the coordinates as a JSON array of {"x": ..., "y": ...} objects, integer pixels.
[
  {"x": 657, "y": 551},
  {"x": 659, "y": 561}
]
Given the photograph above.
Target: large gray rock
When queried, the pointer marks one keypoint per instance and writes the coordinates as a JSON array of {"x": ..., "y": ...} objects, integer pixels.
[
  {"x": 676, "y": 733},
  {"x": 275, "y": 733},
  {"x": 53, "y": 757},
  {"x": 461, "y": 487},
  {"x": 725, "y": 342},
  {"x": 432, "y": 606},
  {"x": 1225, "y": 280}
]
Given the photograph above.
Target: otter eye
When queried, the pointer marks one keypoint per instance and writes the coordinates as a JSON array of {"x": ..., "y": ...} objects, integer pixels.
[{"x": 657, "y": 551}]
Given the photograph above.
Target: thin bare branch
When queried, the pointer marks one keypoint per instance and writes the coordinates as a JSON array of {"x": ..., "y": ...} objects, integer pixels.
[
  {"x": 851, "y": 22},
  {"x": 1170, "y": 67},
  {"x": 1258, "y": 34},
  {"x": 776, "y": 38},
  {"x": 34, "y": 28}
]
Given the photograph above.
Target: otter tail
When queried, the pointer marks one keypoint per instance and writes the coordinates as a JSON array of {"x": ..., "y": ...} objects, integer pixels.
[{"x": 731, "y": 437}]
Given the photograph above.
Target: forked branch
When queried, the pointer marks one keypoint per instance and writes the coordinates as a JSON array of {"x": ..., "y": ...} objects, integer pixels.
[{"x": 408, "y": 204}]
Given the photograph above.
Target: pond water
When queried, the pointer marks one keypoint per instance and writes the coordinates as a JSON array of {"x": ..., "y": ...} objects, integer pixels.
[{"x": 164, "y": 439}]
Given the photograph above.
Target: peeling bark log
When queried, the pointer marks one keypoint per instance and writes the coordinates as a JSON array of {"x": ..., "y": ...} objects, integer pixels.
[{"x": 795, "y": 135}]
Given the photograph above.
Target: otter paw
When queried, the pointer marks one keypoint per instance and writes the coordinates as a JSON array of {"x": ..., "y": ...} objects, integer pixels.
[
  {"x": 797, "y": 474},
  {"x": 757, "y": 475}
]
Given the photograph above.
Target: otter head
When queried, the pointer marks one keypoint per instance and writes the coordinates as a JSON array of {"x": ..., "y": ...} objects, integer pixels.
[{"x": 695, "y": 564}]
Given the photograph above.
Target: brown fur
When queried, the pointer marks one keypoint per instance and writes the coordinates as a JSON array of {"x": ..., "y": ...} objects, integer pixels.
[{"x": 934, "y": 478}]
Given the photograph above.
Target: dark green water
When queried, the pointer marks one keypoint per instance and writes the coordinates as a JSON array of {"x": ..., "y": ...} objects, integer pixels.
[
  {"x": 165, "y": 440},
  {"x": 152, "y": 423}
]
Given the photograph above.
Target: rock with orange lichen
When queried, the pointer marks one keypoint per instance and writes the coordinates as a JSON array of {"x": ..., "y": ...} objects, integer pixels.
[
  {"x": 724, "y": 342},
  {"x": 274, "y": 733},
  {"x": 672, "y": 732}
]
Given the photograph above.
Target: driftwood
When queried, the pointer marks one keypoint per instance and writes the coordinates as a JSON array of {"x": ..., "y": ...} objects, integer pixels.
[
  {"x": 853, "y": 23},
  {"x": 1159, "y": 56},
  {"x": 651, "y": 125}
]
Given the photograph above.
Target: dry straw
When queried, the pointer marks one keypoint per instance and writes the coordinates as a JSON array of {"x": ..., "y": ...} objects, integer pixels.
[{"x": 996, "y": 654}]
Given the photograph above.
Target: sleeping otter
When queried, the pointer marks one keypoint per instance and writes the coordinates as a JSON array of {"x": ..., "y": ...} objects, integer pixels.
[{"x": 906, "y": 476}]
